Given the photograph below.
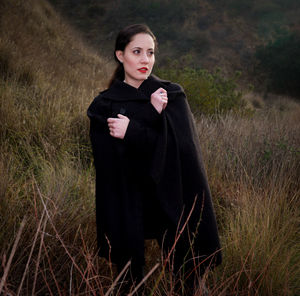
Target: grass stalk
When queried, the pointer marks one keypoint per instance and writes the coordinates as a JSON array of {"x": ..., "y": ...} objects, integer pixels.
[
  {"x": 116, "y": 281},
  {"x": 12, "y": 253},
  {"x": 31, "y": 252},
  {"x": 61, "y": 241}
]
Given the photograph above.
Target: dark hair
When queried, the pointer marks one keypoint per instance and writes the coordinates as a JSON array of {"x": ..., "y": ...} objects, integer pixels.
[{"x": 124, "y": 37}]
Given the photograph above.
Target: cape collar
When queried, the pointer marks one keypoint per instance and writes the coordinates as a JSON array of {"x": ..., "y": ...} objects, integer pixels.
[{"x": 121, "y": 91}]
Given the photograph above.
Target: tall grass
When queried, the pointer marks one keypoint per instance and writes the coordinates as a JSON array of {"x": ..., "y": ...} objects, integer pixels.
[
  {"x": 256, "y": 197},
  {"x": 47, "y": 80},
  {"x": 254, "y": 171},
  {"x": 47, "y": 220}
]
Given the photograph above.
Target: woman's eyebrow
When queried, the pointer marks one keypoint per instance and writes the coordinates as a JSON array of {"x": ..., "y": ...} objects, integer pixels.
[{"x": 137, "y": 47}]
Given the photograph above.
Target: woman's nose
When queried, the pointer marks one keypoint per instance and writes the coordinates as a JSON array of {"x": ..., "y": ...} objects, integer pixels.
[{"x": 145, "y": 58}]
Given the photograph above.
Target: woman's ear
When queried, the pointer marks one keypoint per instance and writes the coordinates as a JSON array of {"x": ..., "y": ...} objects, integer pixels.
[{"x": 119, "y": 55}]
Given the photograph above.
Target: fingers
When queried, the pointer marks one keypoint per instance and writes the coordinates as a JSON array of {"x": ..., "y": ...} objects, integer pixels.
[
  {"x": 161, "y": 94},
  {"x": 164, "y": 99},
  {"x": 159, "y": 99},
  {"x": 112, "y": 121},
  {"x": 113, "y": 125},
  {"x": 118, "y": 126},
  {"x": 113, "y": 128},
  {"x": 161, "y": 91}
]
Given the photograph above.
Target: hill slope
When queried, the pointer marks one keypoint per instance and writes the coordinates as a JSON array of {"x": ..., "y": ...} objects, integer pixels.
[
  {"x": 47, "y": 80},
  {"x": 199, "y": 33},
  {"x": 33, "y": 33},
  {"x": 43, "y": 64},
  {"x": 48, "y": 77}
]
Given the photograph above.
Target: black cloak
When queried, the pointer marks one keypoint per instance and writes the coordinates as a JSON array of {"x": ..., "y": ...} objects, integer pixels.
[{"x": 160, "y": 151}]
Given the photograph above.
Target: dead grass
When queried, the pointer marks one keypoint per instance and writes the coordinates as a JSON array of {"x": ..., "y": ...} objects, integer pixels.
[{"x": 253, "y": 168}]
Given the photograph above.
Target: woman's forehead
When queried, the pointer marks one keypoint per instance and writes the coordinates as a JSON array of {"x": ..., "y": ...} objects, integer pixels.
[{"x": 142, "y": 40}]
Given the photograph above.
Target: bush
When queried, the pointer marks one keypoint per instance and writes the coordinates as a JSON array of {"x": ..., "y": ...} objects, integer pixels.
[
  {"x": 280, "y": 62},
  {"x": 239, "y": 7},
  {"x": 192, "y": 41},
  {"x": 208, "y": 93},
  {"x": 265, "y": 9}
]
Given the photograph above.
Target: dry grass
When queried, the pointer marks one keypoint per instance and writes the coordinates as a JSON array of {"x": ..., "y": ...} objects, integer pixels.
[
  {"x": 254, "y": 171},
  {"x": 47, "y": 80}
]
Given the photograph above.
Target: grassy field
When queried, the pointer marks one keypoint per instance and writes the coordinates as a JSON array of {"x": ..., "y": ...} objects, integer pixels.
[{"x": 48, "y": 77}]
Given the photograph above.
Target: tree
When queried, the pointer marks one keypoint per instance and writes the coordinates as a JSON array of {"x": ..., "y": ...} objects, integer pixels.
[{"x": 279, "y": 60}]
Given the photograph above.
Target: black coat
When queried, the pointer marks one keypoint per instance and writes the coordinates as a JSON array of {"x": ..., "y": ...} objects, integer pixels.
[{"x": 159, "y": 155}]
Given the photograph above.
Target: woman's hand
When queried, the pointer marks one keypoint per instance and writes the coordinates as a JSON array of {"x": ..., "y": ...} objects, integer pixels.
[
  {"x": 159, "y": 99},
  {"x": 118, "y": 126}
]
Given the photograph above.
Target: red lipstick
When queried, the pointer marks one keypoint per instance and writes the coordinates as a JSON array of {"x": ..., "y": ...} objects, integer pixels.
[{"x": 143, "y": 70}]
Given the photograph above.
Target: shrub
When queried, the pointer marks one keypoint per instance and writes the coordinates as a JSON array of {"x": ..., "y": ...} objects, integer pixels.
[
  {"x": 279, "y": 60},
  {"x": 192, "y": 41},
  {"x": 208, "y": 93},
  {"x": 95, "y": 11},
  {"x": 239, "y": 7},
  {"x": 265, "y": 9}
]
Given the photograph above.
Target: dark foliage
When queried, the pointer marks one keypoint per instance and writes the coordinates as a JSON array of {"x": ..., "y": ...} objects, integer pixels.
[
  {"x": 198, "y": 33},
  {"x": 280, "y": 61}
]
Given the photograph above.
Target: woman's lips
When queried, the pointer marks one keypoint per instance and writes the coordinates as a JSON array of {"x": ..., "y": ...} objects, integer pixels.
[{"x": 143, "y": 70}]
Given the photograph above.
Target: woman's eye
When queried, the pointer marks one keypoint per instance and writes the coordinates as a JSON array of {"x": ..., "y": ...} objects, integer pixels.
[
  {"x": 137, "y": 51},
  {"x": 150, "y": 53}
]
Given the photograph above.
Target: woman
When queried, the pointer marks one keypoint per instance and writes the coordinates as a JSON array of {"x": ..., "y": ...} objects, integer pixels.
[{"x": 150, "y": 180}]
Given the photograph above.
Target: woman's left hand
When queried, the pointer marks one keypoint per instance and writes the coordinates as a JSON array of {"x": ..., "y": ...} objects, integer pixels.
[{"x": 118, "y": 126}]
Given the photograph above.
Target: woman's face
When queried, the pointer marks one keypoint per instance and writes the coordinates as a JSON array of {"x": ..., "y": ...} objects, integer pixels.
[{"x": 138, "y": 59}]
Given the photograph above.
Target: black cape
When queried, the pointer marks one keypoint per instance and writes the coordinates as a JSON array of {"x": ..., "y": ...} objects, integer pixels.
[{"x": 158, "y": 149}]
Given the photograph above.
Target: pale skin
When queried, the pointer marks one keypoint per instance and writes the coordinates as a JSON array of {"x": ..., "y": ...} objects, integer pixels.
[{"x": 138, "y": 54}]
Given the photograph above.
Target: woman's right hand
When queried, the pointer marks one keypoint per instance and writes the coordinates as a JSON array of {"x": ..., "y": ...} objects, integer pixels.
[{"x": 159, "y": 99}]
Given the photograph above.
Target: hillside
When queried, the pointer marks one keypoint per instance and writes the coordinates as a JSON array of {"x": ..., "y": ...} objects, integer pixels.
[
  {"x": 48, "y": 77},
  {"x": 43, "y": 64},
  {"x": 201, "y": 33},
  {"x": 33, "y": 33}
]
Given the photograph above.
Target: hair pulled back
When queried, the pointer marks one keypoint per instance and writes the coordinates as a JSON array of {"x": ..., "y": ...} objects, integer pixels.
[{"x": 124, "y": 37}]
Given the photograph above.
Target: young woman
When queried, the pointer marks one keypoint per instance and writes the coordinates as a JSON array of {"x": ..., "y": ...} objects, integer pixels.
[{"x": 150, "y": 179}]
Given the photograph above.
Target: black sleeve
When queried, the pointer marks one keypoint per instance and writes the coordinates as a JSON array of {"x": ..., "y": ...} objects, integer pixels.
[
  {"x": 150, "y": 115},
  {"x": 143, "y": 134},
  {"x": 99, "y": 133},
  {"x": 98, "y": 112}
]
